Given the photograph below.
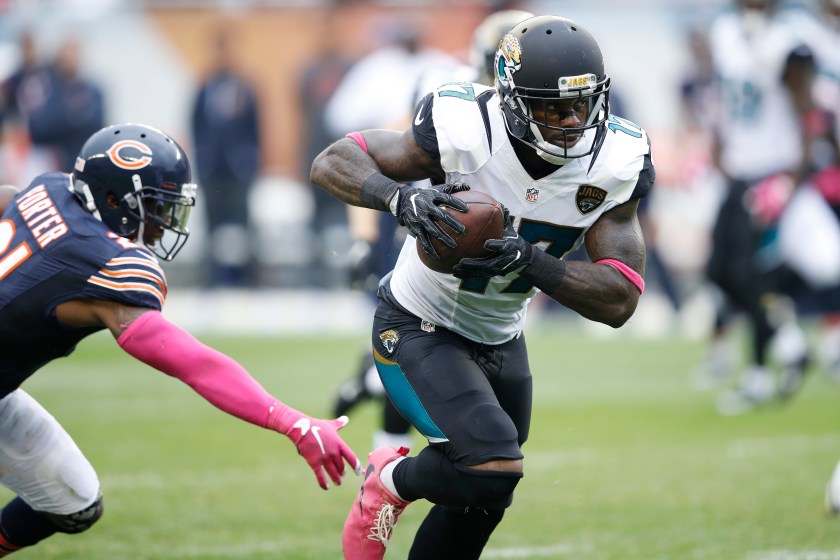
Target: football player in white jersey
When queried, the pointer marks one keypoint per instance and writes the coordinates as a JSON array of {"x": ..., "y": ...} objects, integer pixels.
[
  {"x": 449, "y": 347},
  {"x": 758, "y": 150}
]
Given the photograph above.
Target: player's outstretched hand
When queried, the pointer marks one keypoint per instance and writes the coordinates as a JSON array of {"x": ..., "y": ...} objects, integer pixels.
[
  {"x": 318, "y": 442},
  {"x": 419, "y": 208},
  {"x": 509, "y": 253}
]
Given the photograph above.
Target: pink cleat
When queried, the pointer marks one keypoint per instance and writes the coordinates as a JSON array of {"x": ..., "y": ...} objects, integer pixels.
[{"x": 368, "y": 527}]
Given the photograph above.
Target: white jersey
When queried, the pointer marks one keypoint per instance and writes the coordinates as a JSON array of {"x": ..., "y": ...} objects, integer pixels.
[
  {"x": 553, "y": 212},
  {"x": 757, "y": 125}
]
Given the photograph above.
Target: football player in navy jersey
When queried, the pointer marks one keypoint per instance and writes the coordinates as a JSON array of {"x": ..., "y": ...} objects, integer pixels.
[
  {"x": 449, "y": 348},
  {"x": 78, "y": 254}
]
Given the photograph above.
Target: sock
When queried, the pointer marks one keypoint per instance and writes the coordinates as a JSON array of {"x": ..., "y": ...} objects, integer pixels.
[
  {"x": 21, "y": 526},
  {"x": 387, "y": 479}
]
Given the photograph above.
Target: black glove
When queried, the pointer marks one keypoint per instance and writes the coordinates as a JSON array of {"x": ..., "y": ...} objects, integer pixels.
[
  {"x": 419, "y": 207},
  {"x": 510, "y": 252},
  {"x": 452, "y": 188}
]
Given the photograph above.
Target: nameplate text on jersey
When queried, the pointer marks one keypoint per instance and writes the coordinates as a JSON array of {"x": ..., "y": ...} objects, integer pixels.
[{"x": 41, "y": 216}]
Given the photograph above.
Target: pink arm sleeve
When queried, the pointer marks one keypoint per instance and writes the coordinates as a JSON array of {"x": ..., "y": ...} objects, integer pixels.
[{"x": 218, "y": 378}]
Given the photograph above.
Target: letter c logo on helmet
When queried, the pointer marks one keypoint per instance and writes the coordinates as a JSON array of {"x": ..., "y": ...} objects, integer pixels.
[{"x": 127, "y": 161}]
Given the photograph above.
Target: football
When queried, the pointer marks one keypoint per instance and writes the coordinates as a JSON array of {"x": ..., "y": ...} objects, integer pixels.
[{"x": 484, "y": 220}]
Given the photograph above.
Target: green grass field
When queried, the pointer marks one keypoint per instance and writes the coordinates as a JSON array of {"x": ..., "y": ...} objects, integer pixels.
[{"x": 624, "y": 461}]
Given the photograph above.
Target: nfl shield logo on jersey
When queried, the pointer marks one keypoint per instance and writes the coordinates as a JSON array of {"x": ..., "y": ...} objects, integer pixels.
[
  {"x": 427, "y": 326},
  {"x": 589, "y": 197},
  {"x": 532, "y": 194}
]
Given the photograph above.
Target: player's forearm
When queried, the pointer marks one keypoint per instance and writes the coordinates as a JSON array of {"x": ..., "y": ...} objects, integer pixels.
[
  {"x": 342, "y": 170},
  {"x": 216, "y": 377},
  {"x": 598, "y": 292}
]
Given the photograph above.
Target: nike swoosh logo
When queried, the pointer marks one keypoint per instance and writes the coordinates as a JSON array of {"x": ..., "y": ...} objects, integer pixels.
[
  {"x": 512, "y": 262},
  {"x": 414, "y": 206},
  {"x": 317, "y": 436},
  {"x": 418, "y": 119},
  {"x": 303, "y": 425}
]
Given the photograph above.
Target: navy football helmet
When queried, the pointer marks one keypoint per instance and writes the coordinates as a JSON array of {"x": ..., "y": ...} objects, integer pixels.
[
  {"x": 137, "y": 181},
  {"x": 549, "y": 69}
]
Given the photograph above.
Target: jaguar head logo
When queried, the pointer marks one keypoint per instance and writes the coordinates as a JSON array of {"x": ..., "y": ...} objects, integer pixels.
[
  {"x": 389, "y": 339},
  {"x": 508, "y": 59}
]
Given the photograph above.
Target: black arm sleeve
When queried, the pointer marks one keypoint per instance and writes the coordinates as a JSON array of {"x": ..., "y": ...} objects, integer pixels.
[
  {"x": 646, "y": 177},
  {"x": 423, "y": 126}
]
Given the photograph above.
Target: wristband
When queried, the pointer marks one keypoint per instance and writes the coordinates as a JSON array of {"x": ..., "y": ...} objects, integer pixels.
[
  {"x": 379, "y": 192},
  {"x": 545, "y": 272},
  {"x": 628, "y": 272}
]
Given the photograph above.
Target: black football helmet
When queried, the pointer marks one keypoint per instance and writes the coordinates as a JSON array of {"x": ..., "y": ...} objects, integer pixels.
[
  {"x": 137, "y": 181},
  {"x": 548, "y": 65}
]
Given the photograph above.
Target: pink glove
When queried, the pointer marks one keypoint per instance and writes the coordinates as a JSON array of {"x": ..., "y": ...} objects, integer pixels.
[
  {"x": 767, "y": 199},
  {"x": 317, "y": 441}
]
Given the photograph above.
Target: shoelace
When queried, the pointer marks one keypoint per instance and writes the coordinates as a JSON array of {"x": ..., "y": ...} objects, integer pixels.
[{"x": 384, "y": 523}]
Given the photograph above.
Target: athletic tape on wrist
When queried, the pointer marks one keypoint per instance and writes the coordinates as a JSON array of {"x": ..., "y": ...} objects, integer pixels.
[
  {"x": 628, "y": 272},
  {"x": 378, "y": 191}
]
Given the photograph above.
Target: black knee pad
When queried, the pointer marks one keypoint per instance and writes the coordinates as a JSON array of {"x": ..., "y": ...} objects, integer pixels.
[
  {"x": 487, "y": 489},
  {"x": 79, "y": 521}
]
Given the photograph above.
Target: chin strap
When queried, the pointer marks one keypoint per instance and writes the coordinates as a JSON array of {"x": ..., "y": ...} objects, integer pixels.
[{"x": 90, "y": 205}]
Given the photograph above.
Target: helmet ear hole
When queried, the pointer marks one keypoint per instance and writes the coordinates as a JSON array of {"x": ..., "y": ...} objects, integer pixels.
[{"x": 112, "y": 200}]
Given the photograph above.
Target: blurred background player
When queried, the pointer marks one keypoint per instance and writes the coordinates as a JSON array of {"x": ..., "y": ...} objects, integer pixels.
[
  {"x": 317, "y": 83},
  {"x": 379, "y": 92},
  {"x": 758, "y": 147},
  {"x": 821, "y": 129},
  {"x": 378, "y": 236},
  {"x": 228, "y": 156},
  {"x": 79, "y": 256},
  {"x": 819, "y": 108}
]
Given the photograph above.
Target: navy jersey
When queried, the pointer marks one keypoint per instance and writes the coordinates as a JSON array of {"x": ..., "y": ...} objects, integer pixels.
[{"x": 51, "y": 251}]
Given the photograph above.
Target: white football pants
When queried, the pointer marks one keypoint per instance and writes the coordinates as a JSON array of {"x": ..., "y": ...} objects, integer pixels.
[{"x": 39, "y": 461}]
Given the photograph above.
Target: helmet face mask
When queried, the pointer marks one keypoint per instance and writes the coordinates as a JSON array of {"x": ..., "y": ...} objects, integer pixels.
[
  {"x": 136, "y": 180},
  {"x": 554, "y": 91}
]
